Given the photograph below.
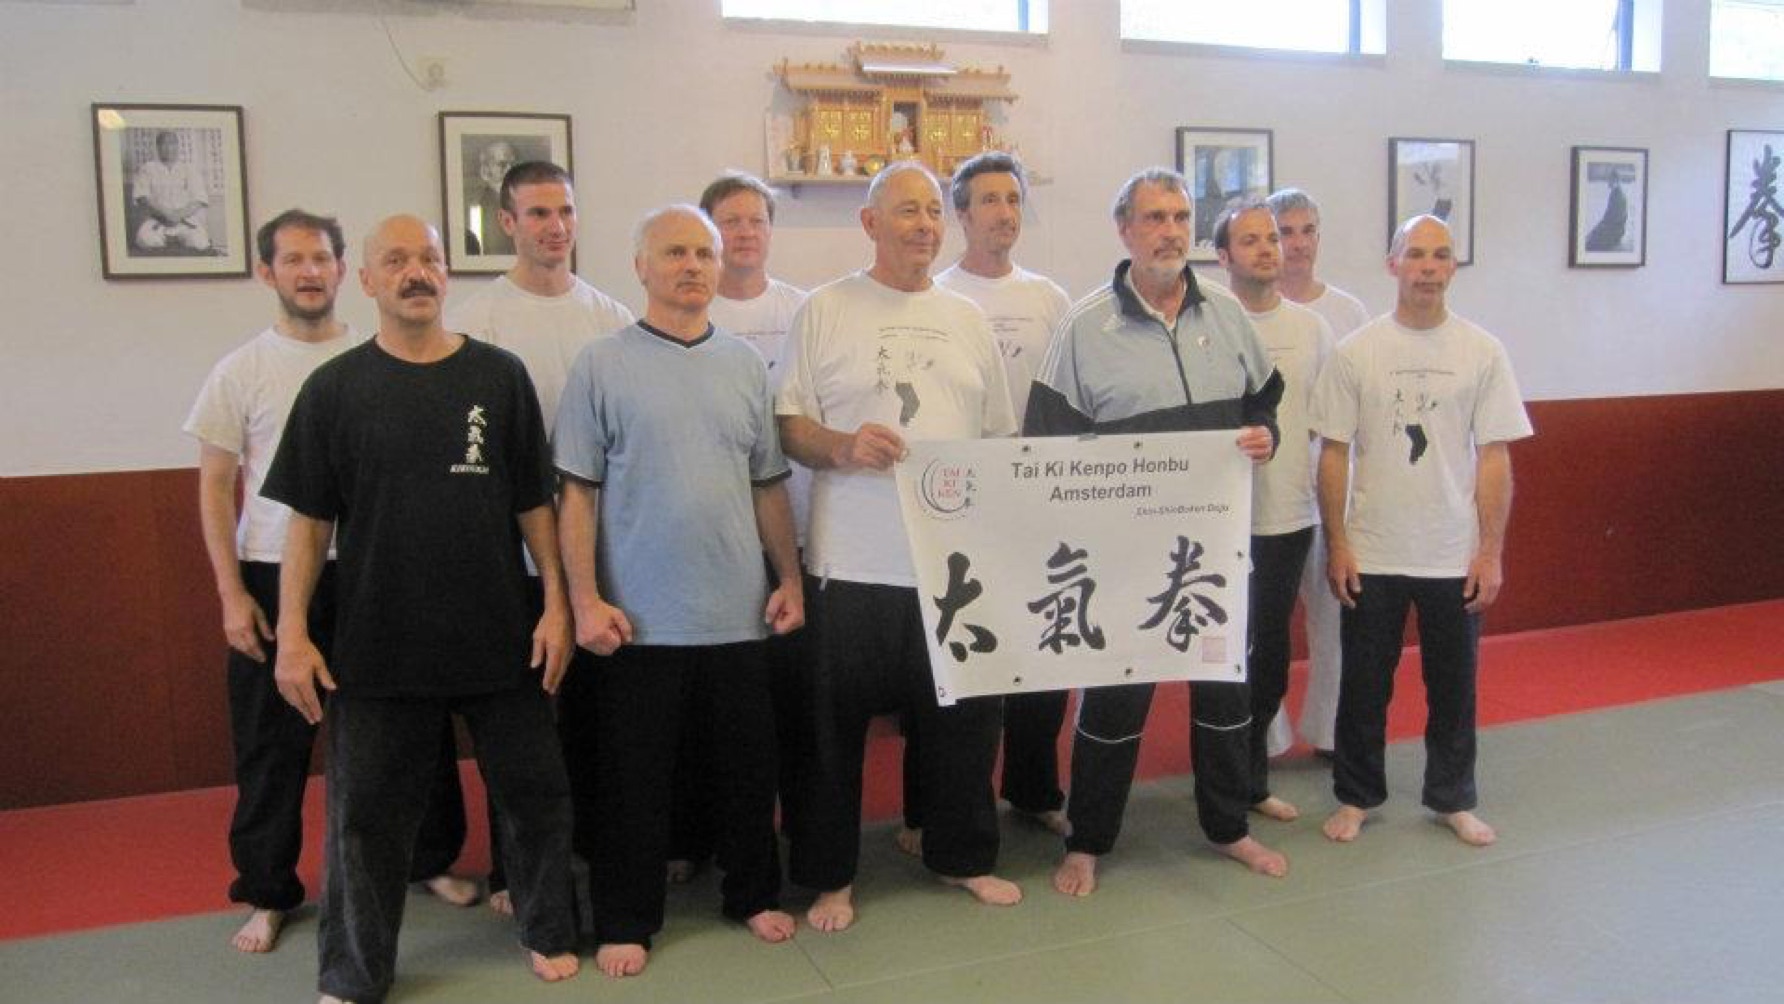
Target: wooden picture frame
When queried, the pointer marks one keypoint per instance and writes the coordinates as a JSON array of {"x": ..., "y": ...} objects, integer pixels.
[
  {"x": 1224, "y": 167},
  {"x": 172, "y": 185},
  {"x": 1751, "y": 208},
  {"x": 1608, "y": 208},
  {"x": 476, "y": 149},
  {"x": 1433, "y": 177}
]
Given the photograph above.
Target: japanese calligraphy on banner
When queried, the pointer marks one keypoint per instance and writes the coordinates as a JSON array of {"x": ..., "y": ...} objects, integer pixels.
[{"x": 1046, "y": 564}]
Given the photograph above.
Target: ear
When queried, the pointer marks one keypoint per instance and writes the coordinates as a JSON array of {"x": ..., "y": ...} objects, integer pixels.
[
  {"x": 507, "y": 221},
  {"x": 638, "y": 267},
  {"x": 1226, "y": 260},
  {"x": 870, "y": 221},
  {"x": 365, "y": 283},
  {"x": 264, "y": 271}
]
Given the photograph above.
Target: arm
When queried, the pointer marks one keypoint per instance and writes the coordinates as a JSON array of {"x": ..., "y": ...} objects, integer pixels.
[
  {"x": 552, "y": 637},
  {"x": 1492, "y": 503},
  {"x": 1334, "y": 491},
  {"x": 821, "y": 448},
  {"x": 774, "y": 524},
  {"x": 244, "y": 624},
  {"x": 300, "y": 665},
  {"x": 600, "y": 627},
  {"x": 1258, "y": 433}
]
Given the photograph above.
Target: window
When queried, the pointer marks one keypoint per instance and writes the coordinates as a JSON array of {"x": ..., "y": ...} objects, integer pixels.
[
  {"x": 1294, "y": 25},
  {"x": 1028, "y": 16},
  {"x": 1747, "y": 39},
  {"x": 1577, "y": 34}
]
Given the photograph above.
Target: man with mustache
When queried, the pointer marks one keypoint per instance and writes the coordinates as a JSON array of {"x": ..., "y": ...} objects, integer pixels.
[
  {"x": 672, "y": 492},
  {"x": 1153, "y": 352},
  {"x": 872, "y": 359},
  {"x": 427, "y": 450},
  {"x": 1414, "y": 519},
  {"x": 238, "y": 419}
]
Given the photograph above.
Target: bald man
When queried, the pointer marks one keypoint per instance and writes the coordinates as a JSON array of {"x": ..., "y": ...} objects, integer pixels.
[{"x": 426, "y": 450}]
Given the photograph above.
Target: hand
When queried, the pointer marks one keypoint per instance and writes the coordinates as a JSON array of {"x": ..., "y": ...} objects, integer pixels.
[
  {"x": 299, "y": 669},
  {"x": 786, "y": 608},
  {"x": 1256, "y": 443},
  {"x": 602, "y": 628},
  {"x": 873, "y": 446},
  {"x": 1481, "y": 588},
  {"x": 553, "y": 639},
  {"x": 1343, "y": 574},
  {"x": 245, "y": 625}
]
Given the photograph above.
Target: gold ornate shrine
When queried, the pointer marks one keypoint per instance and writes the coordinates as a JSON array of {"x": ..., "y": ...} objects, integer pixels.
[{"x": 893, "y": 101}]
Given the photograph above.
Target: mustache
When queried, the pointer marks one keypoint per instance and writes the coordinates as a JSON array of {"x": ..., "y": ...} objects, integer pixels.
[{"x": 418, "y": 287}]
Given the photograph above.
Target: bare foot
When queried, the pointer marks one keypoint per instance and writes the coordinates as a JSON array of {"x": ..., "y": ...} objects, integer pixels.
[
  {"x": 1076, "y": 875},
  {"x": 1255, "y": 856},
  {"x": 1344, "y": 825},
  {"x": 909, "y": 840},
  {"x": 1052, "y": 819},
  {"x": 1277, "y": 809},
  {"x": 452, "y": 889},
  {"x": 772, "y": 926},
  {"x": 679, "y": 871},
  {"x": 260, "y": 933},
  {"x": 832, "y": 911},
  {"x": 502, "y": 902},
  {"x": 621, "y": 960},
  {"x": 1470, "y": 828},
  {"x": 988, "y": 889},
  {"x": 555, "y": 968}
]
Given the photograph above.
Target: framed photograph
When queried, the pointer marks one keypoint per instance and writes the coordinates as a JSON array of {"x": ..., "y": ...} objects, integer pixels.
[
  {"x": 1225, "y": 167},
  {"x": 173, "y": 191},
  {"x": 1433, "y": 177},
  {"x": 1608, "y": 214},
  {"x": 476, "y": 150},
  {"x": 1751, "y": 210}
]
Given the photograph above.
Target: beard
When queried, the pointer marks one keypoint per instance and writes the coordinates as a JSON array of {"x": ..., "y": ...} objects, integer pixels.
[{"x": 308, "y": 315}]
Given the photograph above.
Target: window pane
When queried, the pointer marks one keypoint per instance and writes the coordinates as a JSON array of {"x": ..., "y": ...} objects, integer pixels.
[
  {"x": 1299, "y": 25},
  {"x": 1747, "y": 39},
  {"x": 1569, "y": 33},
  {"x": 974, "y": 15}
]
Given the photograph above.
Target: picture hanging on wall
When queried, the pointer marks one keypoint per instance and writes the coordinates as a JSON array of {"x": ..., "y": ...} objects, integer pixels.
[
  {"x": 1433, "y": 177},
  {"x": 1224, "y": 167},
  {"x": 1608, "y": 219},
  {"x": 476, "y": 150},
  {"x": 173, "y": 191},
  {"x": 1751, "y": 210}
]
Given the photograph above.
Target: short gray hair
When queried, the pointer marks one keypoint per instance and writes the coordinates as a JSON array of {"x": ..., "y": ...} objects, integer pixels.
[
  {"x": 887, "y": 173},
  {"x": 989, "y": 162},
  {"x": 1162, "y": 177},
  {"x": 1287, "y": 200},
  {"x": 641, "y": 233}
]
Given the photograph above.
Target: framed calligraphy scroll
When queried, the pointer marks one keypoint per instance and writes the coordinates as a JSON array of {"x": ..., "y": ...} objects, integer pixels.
[
  {"x": 1049, "y": 564},
  {"x": 1752, "y": 212}
]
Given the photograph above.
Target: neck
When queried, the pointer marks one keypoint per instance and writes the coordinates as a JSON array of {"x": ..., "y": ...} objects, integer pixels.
[
  {"x": 542, "y": 280},
  {"x": 417, "y": 343},
  {"x": 1421, "y": 318},
  {"x": 1301, "y": 289},
  {"x": 1258, "y": 297},
  {"x": 743, "y": 283},
  {"x": 1161, "y": 294},
  {"x": 905, "y": 280},
  {"x": 681, "y": 325},
  {"x": 986, "y": 264},
  {"x": 309, "y": 331}
]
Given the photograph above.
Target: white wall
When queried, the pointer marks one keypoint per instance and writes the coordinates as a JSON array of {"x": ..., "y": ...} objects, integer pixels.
[{"x": 98, "y": 375}]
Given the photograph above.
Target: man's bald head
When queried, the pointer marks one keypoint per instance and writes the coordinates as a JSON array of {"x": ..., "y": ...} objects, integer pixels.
[{"x": 405, "y": 271}]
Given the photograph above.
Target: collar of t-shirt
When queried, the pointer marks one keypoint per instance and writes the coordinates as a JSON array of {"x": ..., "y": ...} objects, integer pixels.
[{"x": 651, "y": 329}]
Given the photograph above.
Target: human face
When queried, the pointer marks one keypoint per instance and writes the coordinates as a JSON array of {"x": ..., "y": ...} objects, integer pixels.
[
  {"x": 543, "y": 223},
  {"x": 992, "y": 220},
  {"x": 1254, "y": 249},
  {"x": 167, "y": 147},
  {"x": 742, "y": 219},
  {"x": 679, "y": 265},
  {"x": 1156, "y": 232},
  {"x": 493, "y": 163},
  {"x": 405, "y": 271},
  {"x": 906, "y": 224},
  {"x": 1424, "y": 266},
  {"x": 305, "y": 274},
  {"x": 1300, "y": 243}
]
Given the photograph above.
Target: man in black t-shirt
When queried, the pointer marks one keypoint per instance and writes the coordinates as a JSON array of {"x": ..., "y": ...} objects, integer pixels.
[{"x": 425, "y": 451}]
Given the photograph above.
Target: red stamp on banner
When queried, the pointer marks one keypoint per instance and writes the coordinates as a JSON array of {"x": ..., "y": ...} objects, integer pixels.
[{"x": 1214, "y": 649}]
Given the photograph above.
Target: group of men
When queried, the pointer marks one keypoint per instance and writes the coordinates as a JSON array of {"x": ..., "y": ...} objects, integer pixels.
[{"x": 688, "y": 489}]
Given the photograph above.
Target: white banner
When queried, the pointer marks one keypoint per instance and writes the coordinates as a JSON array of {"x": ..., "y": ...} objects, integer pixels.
[{"x": 1056, "y": 563}]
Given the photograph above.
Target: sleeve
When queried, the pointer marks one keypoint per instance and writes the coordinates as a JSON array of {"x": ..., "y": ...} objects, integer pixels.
[
  {"x": 217, "y": 417},
  {"x": 1499, "y": 414},
  {"x": 473, "y": 317},
  {"x": 767, "y": 463},
  {"x": 530, "y": 471},
  {"x": 998, "y": 417},
  {"x": 797, "y": 395},
  {"x": 1335, "y": 406},
  {"x": 305, "y": 473},
  {"x": 1055, "y": 405},
  {"x": 1263, "y": 384},
  {"x": 581, "y": 443}
]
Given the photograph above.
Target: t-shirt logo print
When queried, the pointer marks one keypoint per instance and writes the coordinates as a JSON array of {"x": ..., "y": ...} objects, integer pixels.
[{"x": 475, "y": 425}]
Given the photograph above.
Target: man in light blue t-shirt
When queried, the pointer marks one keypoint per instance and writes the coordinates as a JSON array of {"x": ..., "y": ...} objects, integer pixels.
[{"x": 673, "y": 489}]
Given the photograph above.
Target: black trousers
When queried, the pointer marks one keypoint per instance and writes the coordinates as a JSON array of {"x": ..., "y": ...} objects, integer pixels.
[
  {"x": 1276, "y": 563},
  {"x": 1030, "y": 782},
  {"x": 1449, "y": 643},
  {"x": 872, "y": 660},
  {"x": 272, "y": 767},
  {"x": 381, "y": 754},
  {"x": 641, "y": 701}
]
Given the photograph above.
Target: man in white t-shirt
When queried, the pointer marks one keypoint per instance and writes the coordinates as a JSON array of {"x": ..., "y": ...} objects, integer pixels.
[
  {"x": 238, "y": 419},
  {"x": 874, "y": 359},
  {"x": 1283, "y": 510},
  {"x": 1417, "y": 410},
  {"x": 1297, "y": 220},
  {"x": 544, "y": 313},
  {"x": 989, "y": 192},
  {"x": 171, "y": 198}
]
